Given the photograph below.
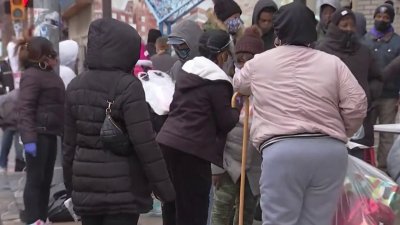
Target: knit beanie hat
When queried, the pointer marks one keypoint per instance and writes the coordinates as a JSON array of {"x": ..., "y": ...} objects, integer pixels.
[
  {"x": 226, "y": 8},
  {"x": 340, "y": 13},
  {"x": 250, "y": 42},
  {"x": 386, "y": 8},
  {"x": 153, "y": 35}
]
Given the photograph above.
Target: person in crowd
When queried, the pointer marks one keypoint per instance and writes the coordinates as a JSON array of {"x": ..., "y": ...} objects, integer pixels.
[
  {"x": 326, "y": 9},
  {"x": 8, "y": 123},
  {"x": 184, "y": 39},
  {"x": 342, "y": 41},
  {"x": 107, "y": 188},
  {"x": 163, "y": 60},
  {"x": 385, "y": 44},
  {"x": 228, "y": 13},
  {"x": 144, "y": 63},
  {"x": 194, "y": 134},
  {"x": 301, "y": 127},
  {"x": 226, "y": 180},
  {"x": 152, "y": 37},
  {"x": 40, "y": 106},
  {"x": 262, "y": 17},
  {"x": 361, "y": 21},
  {"x": 69, "y": 50}
]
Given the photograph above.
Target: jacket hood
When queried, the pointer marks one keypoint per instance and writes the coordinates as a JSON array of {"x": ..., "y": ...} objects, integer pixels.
[
  {"x": 361, "y": 23},
  {"x": 295, "y": 24},
  {"x": 338, "y": 42},
  {"x": 200, "y": 71},
  {"x": 260, "y": 5},
  {"x": 334, "y": 3},
  {"x": 68, "y": 53},
  {"x": 112, "y": 45},
  {"x": 190, "y": 31}
]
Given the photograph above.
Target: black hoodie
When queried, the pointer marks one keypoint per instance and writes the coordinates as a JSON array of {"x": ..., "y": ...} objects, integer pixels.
[
  {"x": 101, "y": 182},
  {"x": 361, "y": 63},
  {"x": 269, "y": 37}
]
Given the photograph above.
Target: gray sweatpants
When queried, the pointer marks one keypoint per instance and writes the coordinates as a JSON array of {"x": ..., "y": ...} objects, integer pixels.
[{"x": 301, "y": 181}]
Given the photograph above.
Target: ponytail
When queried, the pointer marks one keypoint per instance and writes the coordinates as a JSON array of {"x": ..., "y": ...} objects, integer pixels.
[{"x": 23, "y": 53}]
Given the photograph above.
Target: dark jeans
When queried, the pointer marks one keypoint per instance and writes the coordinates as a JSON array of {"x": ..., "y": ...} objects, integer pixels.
[
  {"x": 39, "y": 174},
  {"x": 118, "y": 219},
  {"x": 6, "y": 143},
  {"x": 191, "y": 177}
]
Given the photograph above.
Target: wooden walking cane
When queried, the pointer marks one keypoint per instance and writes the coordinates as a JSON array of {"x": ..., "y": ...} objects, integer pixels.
[{"x": 244, "y": 152}]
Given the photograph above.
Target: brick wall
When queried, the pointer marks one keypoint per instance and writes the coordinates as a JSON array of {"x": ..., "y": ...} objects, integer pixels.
[{"x": 368, "y": 8}]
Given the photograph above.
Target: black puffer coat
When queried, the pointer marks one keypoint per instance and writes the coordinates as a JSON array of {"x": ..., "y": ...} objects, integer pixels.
[
  {"x": 40, "y": 104},
  {"x": 101, "y": 182}
]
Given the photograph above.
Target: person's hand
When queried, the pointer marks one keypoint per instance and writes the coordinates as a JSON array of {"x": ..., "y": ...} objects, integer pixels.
[
  {"x": 216, "y": 180},
  {"x": 239, "y": 102},
  {"x": 31, "y": 149}
]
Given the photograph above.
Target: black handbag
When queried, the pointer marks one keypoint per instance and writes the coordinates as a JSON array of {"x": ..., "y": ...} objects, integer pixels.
[{"x": 112, "y": 135}]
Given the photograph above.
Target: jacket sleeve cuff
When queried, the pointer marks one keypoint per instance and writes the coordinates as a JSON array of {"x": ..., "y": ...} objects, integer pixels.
[{"x": 217, "y": 170}]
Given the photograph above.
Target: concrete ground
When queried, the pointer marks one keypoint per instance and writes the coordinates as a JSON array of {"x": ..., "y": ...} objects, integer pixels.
[{"x": 11, "y": 190}]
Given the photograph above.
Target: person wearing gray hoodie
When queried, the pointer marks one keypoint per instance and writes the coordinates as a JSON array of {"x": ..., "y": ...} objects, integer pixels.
[
  {"x": 184, "y": 39},
  {"x": 262, "y": 17},
  {"x": 326, "y": 10}
]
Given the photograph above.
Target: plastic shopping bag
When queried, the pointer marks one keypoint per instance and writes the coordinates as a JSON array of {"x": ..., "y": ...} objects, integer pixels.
[
  {"x": 369, "y": 197},
  {"x": 159, "y": 90}
]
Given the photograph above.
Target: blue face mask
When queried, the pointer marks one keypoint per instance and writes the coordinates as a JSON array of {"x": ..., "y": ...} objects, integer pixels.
[{"x": 233, "y": 25}]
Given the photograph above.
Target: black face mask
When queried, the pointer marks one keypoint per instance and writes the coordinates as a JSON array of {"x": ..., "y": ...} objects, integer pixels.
[
  {"x": 349, "y": 39},
  {"x": 382, "y": 26}
]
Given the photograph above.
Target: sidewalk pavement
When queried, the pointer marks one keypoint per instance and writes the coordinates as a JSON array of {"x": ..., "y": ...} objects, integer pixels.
[{"x": 11, "y": 201}]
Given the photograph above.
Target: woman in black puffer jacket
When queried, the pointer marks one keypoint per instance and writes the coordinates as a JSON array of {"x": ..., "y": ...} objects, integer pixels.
[
  {"x": 107, "y": 188},
  {"x": 41, "y": 115}
]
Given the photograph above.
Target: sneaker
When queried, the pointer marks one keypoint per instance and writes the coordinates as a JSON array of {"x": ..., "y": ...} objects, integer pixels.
[{"x": 38, "y": 222}]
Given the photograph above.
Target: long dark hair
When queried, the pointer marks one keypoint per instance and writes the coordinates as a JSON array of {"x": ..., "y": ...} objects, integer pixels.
[{"x": 35, "y": 52}]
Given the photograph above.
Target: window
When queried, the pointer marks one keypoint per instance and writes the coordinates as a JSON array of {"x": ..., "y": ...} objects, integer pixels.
[
  {"x": 123, "y": 18},
  {"x": 114, "y": 16},
  {"x": 143, "y": 19},
  {"x": 130, "y": 20},
  {"x": 143, "y": 29}
]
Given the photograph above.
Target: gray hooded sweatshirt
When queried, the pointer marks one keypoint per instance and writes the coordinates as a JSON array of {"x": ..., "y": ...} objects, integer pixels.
[
  {"x": 191, "y": 32},
  {"x": 321, "y": 27}
]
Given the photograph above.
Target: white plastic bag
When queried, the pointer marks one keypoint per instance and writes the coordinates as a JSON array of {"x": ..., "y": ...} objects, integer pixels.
[
  {"x": 159, "y": 89},
  {"x": 369, "y": 197}
]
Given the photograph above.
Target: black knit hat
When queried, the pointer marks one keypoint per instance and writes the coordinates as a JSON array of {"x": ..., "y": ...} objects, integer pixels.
[
  {"x": 386, "y": 8},
  {"x": 339, "y": 14},
  {"x": 226, "y": 8},
  {"x": 153, "y": 35}
]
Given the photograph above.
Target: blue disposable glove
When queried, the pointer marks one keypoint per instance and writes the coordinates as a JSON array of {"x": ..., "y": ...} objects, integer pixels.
[{"x": 30, "y": 148}]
